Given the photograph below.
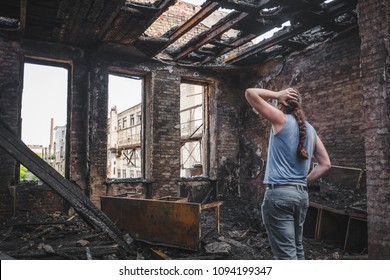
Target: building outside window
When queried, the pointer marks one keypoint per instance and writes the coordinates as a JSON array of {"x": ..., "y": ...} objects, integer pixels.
[
  {"x": 124, "y": 145},
  {"x": 123, "y": 135},
  {"x": 192, "y": 125}
]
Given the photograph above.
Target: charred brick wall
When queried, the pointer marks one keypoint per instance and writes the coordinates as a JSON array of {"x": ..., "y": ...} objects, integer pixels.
[
  {"x": 10, "y": 98},
  {"x": 98, "y": 130},
  {"x": 328, "y": 79},
  {"x": 78, "y": 124},
  {"x": 163, "y": 137},
  {"x": 225, "y": 130},
  {"x": 374, "y": 18},
  {"x": 36, "y": 199}
]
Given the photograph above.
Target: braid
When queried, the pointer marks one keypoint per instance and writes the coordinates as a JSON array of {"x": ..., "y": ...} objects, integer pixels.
[
  {"x": 294, "y": 109},
  {"x": 302, "y": 153}
]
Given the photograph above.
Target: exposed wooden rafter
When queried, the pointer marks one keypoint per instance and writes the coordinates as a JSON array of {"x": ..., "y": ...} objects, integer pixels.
[
  {"x": 123, "y": 26},
  {"x": 22, "y": 20}
]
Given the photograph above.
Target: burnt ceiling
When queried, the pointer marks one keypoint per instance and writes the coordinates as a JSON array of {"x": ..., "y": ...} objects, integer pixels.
[{"x": 232, "y": 38}]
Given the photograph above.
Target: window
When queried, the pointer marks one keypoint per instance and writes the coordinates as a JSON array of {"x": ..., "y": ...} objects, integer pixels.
[
  {"x": 131, "y": 119},
  {"x": 44, "y": 128},
  {"x": 124, "y": 120},
  {"x": 124, "y": 144},
  {"x": 192, "y": 127},
  {"x": 139, "y": 118}
]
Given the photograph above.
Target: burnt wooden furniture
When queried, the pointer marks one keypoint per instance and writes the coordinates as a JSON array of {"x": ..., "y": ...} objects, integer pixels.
[
  {"x": 168, "y": 221},
  {"x": 347, "y": 228}
]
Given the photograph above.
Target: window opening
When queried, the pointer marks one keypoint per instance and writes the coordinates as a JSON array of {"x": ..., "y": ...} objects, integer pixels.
[
  {"x": 192, "y": 129},
  {"x": 123, "y": 134},
  {"x": 44, "y": 115}
]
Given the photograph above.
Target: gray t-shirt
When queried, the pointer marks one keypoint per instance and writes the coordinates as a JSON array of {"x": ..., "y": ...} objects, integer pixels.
[{"x": 283, "y": 164}]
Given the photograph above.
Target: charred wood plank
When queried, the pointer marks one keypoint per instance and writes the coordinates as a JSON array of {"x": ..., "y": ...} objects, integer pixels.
[
  {"x": 81, "y": 34},
  {"x": 160, "y": 254},
  {"x": 206, "y": 10},
  {"x": 295, "y": 45},
  {"x": 222, "y": 26},
  {"x": 99, "y": 19},
  {"x": 244, "y": 6},
  {"x": 95, "y": 251},
  {"x": 332, "y": 12},
  {"x": 276, "y": 39},
  {"x": 221, "y": 44},
  {"x": 217, "y": 29},
  {"x": 41, "y": 223},
  {"x": 249, "y": 36},
  {"x": 151, "y": 13},
  {"x": 105, "y": 24},
  {"x": 67, "y": 190},
  {"x": 23, "y": 11}
]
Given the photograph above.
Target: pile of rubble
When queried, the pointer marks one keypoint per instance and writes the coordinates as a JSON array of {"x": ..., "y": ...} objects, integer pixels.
[{"x": 57, "y": 236}]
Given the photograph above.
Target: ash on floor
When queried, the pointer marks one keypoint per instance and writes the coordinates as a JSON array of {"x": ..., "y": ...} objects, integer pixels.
[{"x": 57, "y": 236}]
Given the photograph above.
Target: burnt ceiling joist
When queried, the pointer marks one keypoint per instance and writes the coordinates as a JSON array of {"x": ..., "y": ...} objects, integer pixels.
[{"x": 236, "y": 37}]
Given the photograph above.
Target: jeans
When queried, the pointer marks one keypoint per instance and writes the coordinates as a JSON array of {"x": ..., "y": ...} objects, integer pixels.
[{"x": 284, "y": 211}]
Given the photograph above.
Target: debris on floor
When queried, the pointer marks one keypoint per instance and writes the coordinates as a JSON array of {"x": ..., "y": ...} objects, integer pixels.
[
  {"x": 57, "y": 236},
  {"x": 339, "y": 197}
]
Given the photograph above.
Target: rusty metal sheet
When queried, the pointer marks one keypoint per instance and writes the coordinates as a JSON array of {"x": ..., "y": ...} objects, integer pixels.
[{"x": 160, "y": 222}]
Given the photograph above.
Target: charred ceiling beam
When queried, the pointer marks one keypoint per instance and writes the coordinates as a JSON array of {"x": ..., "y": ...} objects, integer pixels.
[
  {"x": 132, "y": 20},
  {"x": 215, "y": 31},
  {"x": 207, "y": 9},
  {"x": 247, "y": 6},
  {"x": 150, "y": 14},
  {"x": 242, "y": 40},
  {"x": 256, "y": 26},
  {"x": 142, "y": 9},
  {"x": 304, "y": 5},
  {"x": 78, "y": 11},
  {"x": 161, "y": 6},
  {"x": 106, "y": 19},
  {"x": 294, "y": 44},
  {"x": 281, "y": 37},
  {"x": 123, "y": 26},
  {"x": 221, "y": 44},
  {"x": 41, "y": 19},
  {"x": 204, "y": 12},
  {"x": 325, "y": 18},
  {"x": 23, "y": 11},
  {"x": 98, "y": 14},
  {"x": 274, "y": 40},
  {"x": 233, "y": 45},
  {"x": 218, "y": 29}
]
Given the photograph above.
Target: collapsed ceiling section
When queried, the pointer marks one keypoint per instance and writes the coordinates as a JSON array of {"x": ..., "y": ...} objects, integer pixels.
[{"x": 215, "y": 33}]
